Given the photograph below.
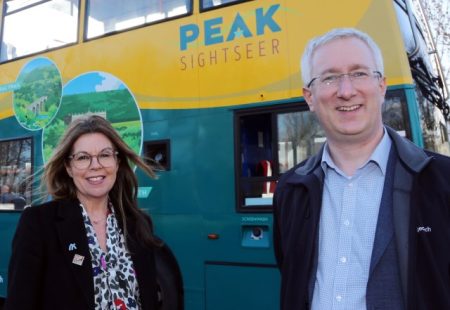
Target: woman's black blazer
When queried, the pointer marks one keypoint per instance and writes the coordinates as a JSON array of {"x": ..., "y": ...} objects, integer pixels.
[{"x": 42, "y": 272}]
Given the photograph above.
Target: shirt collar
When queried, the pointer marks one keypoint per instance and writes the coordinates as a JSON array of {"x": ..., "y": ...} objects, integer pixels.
[{"x": 379, "y": 156}]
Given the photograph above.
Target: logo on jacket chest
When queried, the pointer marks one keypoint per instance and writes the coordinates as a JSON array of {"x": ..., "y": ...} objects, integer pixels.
[
  {"x": 72, "y": 246},
  {"x": 424, "y": 229}
]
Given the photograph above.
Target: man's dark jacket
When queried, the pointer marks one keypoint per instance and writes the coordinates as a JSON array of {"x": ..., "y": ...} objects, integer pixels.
[
  {"x": 421, "y": 217},
  {"x": 42, "y": 274}
]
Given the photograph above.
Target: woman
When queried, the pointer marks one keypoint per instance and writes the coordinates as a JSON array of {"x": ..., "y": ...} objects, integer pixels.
[{"x": 91, "y": 247}]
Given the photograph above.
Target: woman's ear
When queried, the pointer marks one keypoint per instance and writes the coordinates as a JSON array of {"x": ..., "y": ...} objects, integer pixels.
[{"x": 69, "y": 170}]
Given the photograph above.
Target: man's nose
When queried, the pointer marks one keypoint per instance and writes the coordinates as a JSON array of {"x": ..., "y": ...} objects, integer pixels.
[{"x": 345, "y": 87}]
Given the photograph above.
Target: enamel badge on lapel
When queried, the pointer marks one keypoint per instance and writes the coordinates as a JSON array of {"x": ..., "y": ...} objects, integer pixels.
[{"x": 78, "y": 260}]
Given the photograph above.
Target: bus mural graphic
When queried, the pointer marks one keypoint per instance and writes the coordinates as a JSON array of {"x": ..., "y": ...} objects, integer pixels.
[{"x": 38, "y": 93}]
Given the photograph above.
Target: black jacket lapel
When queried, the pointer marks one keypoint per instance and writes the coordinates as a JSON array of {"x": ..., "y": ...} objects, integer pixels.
[{"x": 73, "y": 240}]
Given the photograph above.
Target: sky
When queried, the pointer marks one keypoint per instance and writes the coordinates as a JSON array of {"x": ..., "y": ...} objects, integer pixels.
[{"x": 92, "y": 82}]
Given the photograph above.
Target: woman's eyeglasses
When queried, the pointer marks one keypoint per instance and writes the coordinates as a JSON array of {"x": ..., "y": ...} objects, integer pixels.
[{"x": 106, "y": 158}]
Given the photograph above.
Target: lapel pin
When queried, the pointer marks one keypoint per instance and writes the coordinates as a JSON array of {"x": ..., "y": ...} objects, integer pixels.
[
  {"x": 72, "y": 246},
  {"x": 78, "y": 260}
]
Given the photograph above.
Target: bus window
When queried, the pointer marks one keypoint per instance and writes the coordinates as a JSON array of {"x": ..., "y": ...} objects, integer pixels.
[
  {"x": 15, "y": 173},
  {"x": 299, "y": 137},
  {"x": 433, "y": 123},
  {"x": 208, "y": 4},
  {"x": 257, "y": 160},
  {"x": 31, "y": 26},
  {"x": 395, "y": 113},
  {"x": 270, "y": 143},
  {"x": 116, "y": 15}
]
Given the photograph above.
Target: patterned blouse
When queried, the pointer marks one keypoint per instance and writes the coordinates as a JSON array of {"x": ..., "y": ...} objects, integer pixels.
[{"x": 115, "y": 282}]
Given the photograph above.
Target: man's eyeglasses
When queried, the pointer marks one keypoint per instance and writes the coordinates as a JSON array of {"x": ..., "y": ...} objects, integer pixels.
[
  {"x": 106, "y": 158},
  {"x": 356, "y": 77}
]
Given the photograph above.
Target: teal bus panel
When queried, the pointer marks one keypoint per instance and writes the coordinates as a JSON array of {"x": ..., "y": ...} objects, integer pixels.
[{"x": 241, "y": 287}]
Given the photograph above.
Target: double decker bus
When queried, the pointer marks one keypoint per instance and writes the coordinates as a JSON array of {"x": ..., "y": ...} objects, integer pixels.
[{"x": 210, "y": 90}]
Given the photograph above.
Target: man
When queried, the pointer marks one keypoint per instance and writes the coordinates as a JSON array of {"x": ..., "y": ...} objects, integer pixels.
[
  {"x": 364, "y": 224},
  {"x": 5, "y": 194}
]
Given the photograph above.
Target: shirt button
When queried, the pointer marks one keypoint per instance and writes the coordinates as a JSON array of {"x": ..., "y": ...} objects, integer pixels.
[
  {"x": 350, "y": 184},
  {"x": 343, "y": 259},
  {"x": 338, "y": 298},
  {"x": 346, "y": 222}
]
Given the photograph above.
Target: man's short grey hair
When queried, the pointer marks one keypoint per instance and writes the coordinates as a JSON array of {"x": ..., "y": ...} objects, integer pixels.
[{"x": 335, "y": 34}]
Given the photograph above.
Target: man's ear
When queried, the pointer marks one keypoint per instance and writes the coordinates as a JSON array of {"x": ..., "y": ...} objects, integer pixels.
[
  {"x": 383, "y": 85},
  {"x": 307, "y": 94}
]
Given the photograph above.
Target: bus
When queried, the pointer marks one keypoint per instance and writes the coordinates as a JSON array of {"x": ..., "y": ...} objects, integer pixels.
[{"x": 210, "y": 91}]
